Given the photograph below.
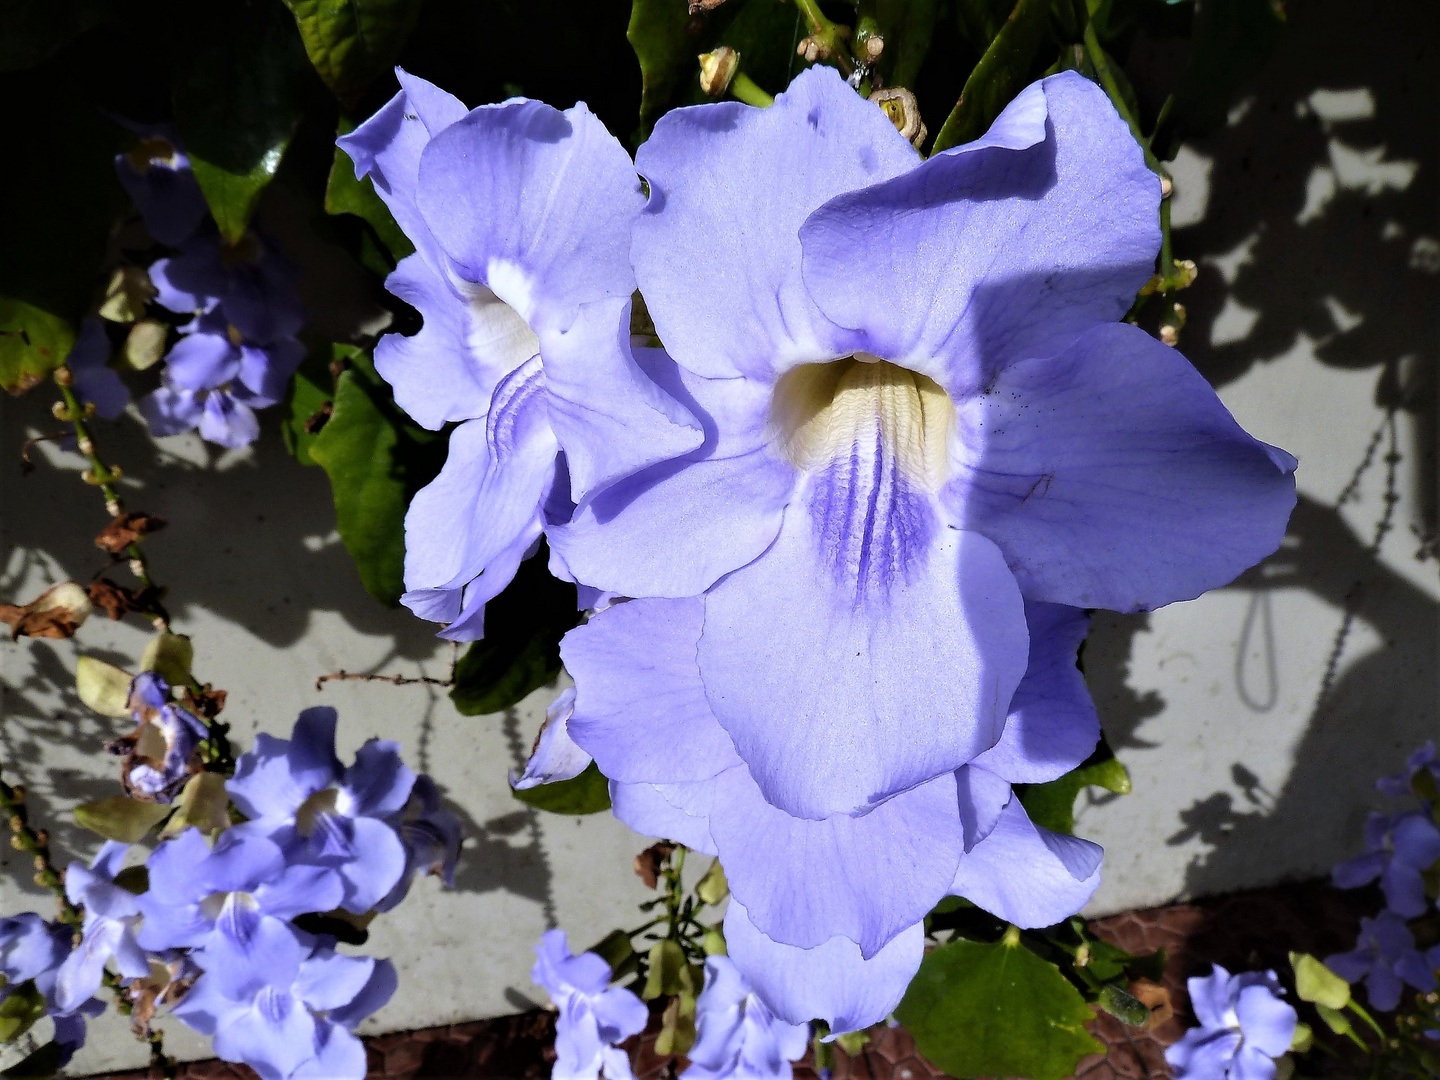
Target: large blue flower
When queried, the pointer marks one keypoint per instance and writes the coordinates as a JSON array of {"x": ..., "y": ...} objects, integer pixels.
[
  {"x": 1244, "y": 1027},
  {"x": 34, "y": 951},
  {"x": 521, "y": 218},
  {"x": 321, "y": 813}
]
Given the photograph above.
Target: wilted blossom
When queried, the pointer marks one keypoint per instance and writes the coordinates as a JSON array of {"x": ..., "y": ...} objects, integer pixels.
[
  {"x": 157, "y": 176},
  {"x": 298, "y": 1024},
  {"x": 160, "y": 752},
  {"x": 554, "y": 756},
  {"x": 1401, "y": 784},
  {"x": 33, "y": 950},
  {"x": 92, "y": 378},
  {"x": 1385, "y": 959},
  {"x": 1244, "y": 1027},
  {"x": 232, "y": 906},
  {"x": 324, "y": 814},
  {"x": 594, "y": 1016},
  {"x": 1399, "y": 849},
  {"x": 111, "y": 915},
  {"x": 925, "y": 428},
  {"x": 521, "y": 218},
  {"x": 738, "y": 1037}
]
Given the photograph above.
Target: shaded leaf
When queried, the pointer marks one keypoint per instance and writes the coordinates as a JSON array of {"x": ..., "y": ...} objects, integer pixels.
[
  {"x": 344, "y": 194},
  {"x": 19, "y": 1011},
  {"x": 978, "y": 1009},
  {"x": 308, "y": 404},
  {"x": 660, "y": 32},
  {"x": 203, "y": 804},
  {"x": 31, "y": 31},
  {"x": 588, "y": 793},
  {"x": 907, "y": 27},
  {"x": 376, "y": 460},
  {"x": 1006, "y": 68},
  {"x": 237, "y": 103},
  {"x": 521, "y": 649},
  {"x": 33, "y": 343},
  {"x": 615, "y": 949},
  {"x": 764, "y": 33},
  {"x": 1052, "y": 805},
  {"x": 350, "y": 42},
  {"x": 121, "y": 818}
]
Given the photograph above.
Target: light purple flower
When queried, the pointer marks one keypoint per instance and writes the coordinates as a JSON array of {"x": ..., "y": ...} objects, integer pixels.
[
  {"x": 321, "y": 813},
  {"x": 521, "y": 218},
  {"x": 33, "y": 950},
  {"x": 431, "y": 835},
  {"x": 738, "y": 1037},
  {"x": 1385, "y": 958},
  {"x": 1399, "y": 849},
  {"x": 159, "y": 753},
  {"x": 298, "y": 1025},
  {"x": 252, "y": 283},
  {"x": 1244, "y": 1027},
  {"x": 1422, "y": 760},
  {"x": 555, "y": 756},
  {"x": 825, "y": 913},
  {"x": 94, "y": 380},
  {"x": 232, "y": 906},
  {"x": 594, "y": 1016},
  {"x": 111, "y": 916},
  {"x": 156, "y": 174},
  {"x": 920, "y": 410}
]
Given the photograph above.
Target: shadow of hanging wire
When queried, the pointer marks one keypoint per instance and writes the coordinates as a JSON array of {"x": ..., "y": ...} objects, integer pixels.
[
  {"x": 1260, "y": 611},
  {"x": 1383, "y": 525}
]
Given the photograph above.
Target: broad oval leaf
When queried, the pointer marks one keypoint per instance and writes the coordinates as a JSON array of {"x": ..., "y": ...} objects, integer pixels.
[
  {"x": 350, "y": 42},
  {"x": 33, "y": 343},
  {"x": 121, "y": 818},
  {"x": 659, "y": 32},
  {"x": 588, "y": 793}
]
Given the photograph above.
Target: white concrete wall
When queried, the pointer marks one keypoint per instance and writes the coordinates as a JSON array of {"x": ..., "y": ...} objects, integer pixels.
[{"x": 1314, "y": 220}]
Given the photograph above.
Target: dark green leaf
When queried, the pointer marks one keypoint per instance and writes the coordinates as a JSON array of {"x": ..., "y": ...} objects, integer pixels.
[
  {"x": 588, "y": 793},
  {"x": 237, "y": 102},
  {"x": 906, "y": 26},
  {"x": 1052, "y": 805},
  {"x": 1006, "y": 68},
  {"x": 980, "y": 20},
  {"x": 1233, "y": 40},
  {"x": 19, "y": 1011},
  {"x": 1119, "y": 1003},
  {"x": 615, "y": 949},
  {"x": 32, "y": 31},
  {"x": 659, "y": 32},
  {"x": 346, "y": 195},
  {"x": 521, "y": 648},
  {"x": 33, "y": 343},
  {"x": 308, "y": 403},
  {"x": 376, "y": 460},
  {"x": 764, "y": 33},
  {"x": 979, "y": 1009},
  {"x": 134, "y": 879},
  {"x": 40, "y": 1064},
  {"x": 351, "y": 41},
  {"x": 121, "y": 818}
]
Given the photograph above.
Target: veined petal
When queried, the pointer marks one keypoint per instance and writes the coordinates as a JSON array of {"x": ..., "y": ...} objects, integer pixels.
[
  {"x": 640, "y": 707},
  {"x": 995, "y": 252},
  {"x": 201, "y": 361},
  {"x": 490, "y": 489},
  {"x": 1052, "y": 726},
  {"x": 1112, "y": 476},
  {"x": 534, "y": 204},
  {"x": 833, "y": 982},
  {"x": 650, "y": 811},
  {"x": 717, "y": 252},
  {"x": 277, "y": 1033},
  {"x": 849, "y": 667}
]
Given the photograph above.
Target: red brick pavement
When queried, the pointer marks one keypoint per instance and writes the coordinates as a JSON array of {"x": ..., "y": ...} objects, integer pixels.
[{"x": 1242, "y": 931}]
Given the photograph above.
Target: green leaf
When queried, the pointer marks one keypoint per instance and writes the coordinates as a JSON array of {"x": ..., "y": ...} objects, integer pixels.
[
  {"x": 237, "y": 103},
  {"x": 764, "y": 33},
  {"x": 121, "y": 818},
  {"x": 520, "y": 651},
  {"x": 307, "y": 404},
  {"x": 588, "y": 793},
  {"x": 980, "y": 20},
  {"x": 658, "y": 32},
  {"x": 1052, "y": 805},
  {"x": 906, "y": 26},
  {"x": 349, "y": 42},
  {"x": 615, "y": 949},
  {"x": 1005, "y": 69},
  {"x": 204, "y": 804},
  {"x": 1335, "y": 1020},
  {"x": 979, "y": 1009},
  {"x": 103, "y": 687},
  {"x": 31, "y": 31},
  {"x": 1316, "y": 983},
  {"x": 19, "y": 1011},
  {"x": 1233, "y": 40},
  {"x": 346, "y": 195},
  {"x": 33, "y": 343},
  {"x": 40, "y": 1064},
  {"x": 376, "y": 460}
]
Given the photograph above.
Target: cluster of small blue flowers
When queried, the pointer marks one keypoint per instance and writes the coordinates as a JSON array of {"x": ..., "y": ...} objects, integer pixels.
[
  {"x": 841, "y": 520},
  {"x": 1400, "y": 850},
  {"x": 737, "y": 1034},
  {"x": 32, "y": 955},
  {"x": 1244, "y": 1028},
  {"x": 239, "y": 348},
  {"x": 210, "y": 929}
]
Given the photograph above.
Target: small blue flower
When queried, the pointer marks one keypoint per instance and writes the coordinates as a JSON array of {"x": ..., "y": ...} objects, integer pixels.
[
  {"x": 1386, "y": 959},
  {"x": 321, "y": 813},
  {"x": 111, "y": 916},
  {"x": 250, "y": 281},
  {"x": 1399, "y": 849},
  {"x": 1422, "y": 760},
  {"x": 1244, "y": 1027},
  {"x": 33, "y": 950},
  {"x": 94, "y": 380},
  {"x": 159, "y": 753},
  {"x": 738, "y": 1037},
  {"x": 594, "y": 1016},
  {"x": 157, "y": 176}
]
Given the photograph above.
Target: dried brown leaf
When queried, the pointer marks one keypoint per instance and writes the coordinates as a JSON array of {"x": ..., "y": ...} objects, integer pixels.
[
  {"x": 126, "y": 529},
  {"x": 649, "y": 862}
]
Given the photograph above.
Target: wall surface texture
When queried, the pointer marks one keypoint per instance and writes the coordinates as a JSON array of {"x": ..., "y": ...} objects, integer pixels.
[{"x": 1253, "y": 720}]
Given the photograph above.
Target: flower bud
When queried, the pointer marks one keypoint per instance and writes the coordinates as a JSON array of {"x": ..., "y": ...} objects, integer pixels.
[
  {"x": 145, "y": 344},
  {"x": 717, "y": 69},
  {"x": 130, "y": 289},
  {"x": 903, "y": 110}
]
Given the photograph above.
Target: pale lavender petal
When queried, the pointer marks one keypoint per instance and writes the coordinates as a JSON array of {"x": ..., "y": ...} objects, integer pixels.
[
  {"x": 1210, "y": 996},
  {"x": 330, "y": 980},
  {"x": 983, "y": 796},
  {"x": 202, "y": 361},
  {"x": 169, "y": 411},
  {"x": 1202, "y": 1054},
  {"x": 227, "y": 422},
  {"x": 647, "y": 810},
  {"x": 555, "y": 757},
  {"x": 1267, "y": 1023},
  {"x": 277, "y": 1033}
]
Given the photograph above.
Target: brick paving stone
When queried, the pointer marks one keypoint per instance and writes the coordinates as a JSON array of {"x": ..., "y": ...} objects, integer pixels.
[{"x": 1242, "y": 931}]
